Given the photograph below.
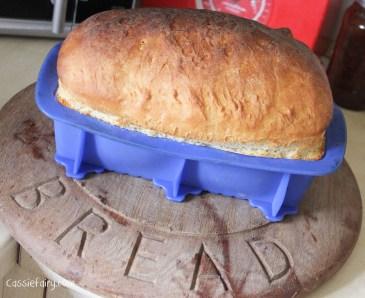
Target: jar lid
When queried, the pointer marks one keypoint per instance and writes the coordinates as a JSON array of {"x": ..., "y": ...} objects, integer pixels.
[{"x": 361, "y": 2}]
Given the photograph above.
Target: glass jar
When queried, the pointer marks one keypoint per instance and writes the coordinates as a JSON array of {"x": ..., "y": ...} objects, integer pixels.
[{"x": 346, "y": 71}]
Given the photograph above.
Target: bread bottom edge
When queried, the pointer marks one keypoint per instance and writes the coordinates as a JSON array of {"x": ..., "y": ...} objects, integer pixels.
[{"x": 259, "y": 149}]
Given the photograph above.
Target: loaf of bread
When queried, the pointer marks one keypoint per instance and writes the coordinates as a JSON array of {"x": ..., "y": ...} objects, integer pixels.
[{"x": 200, "y": 77}]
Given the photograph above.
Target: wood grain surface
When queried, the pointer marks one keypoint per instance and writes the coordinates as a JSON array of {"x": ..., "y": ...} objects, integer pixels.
[{"x": 118, "y": 236}]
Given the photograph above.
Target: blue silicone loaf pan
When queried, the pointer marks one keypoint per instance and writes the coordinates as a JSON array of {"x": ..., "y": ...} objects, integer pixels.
[{"x": 85, "y": 145}]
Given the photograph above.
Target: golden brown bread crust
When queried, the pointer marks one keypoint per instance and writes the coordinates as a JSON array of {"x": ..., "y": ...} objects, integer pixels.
[{"x": 198, "y": 76}]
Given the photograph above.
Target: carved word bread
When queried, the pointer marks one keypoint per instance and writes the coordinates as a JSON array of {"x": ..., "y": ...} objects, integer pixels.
[{"x": 200, "y": 77}]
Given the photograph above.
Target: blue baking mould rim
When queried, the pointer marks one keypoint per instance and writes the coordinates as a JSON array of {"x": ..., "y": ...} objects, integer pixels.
[{"x": 85, "y": 145}]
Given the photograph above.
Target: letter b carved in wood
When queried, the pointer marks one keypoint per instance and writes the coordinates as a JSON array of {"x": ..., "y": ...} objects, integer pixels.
[{"x": 33, "y": 197}]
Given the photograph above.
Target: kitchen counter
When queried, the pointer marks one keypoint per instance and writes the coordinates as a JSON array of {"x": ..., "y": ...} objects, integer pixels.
[{"x": 20, "y": 59}]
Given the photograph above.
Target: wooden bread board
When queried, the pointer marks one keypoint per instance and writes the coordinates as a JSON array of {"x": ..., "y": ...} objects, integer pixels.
[{"x": 117, "y": 235}]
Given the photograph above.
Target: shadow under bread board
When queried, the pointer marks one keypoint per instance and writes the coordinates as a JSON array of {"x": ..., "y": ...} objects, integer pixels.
[{"x": 117, "y": 235}]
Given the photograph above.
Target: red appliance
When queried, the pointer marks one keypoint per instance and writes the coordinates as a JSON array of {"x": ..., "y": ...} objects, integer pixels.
[{"x": 304, "y": 18}]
